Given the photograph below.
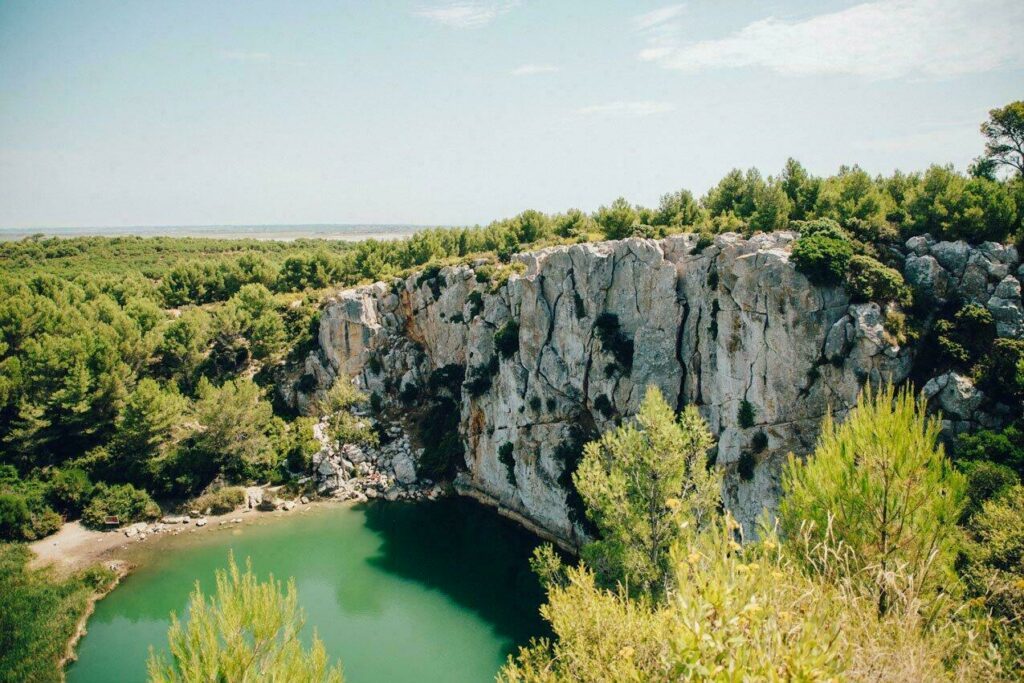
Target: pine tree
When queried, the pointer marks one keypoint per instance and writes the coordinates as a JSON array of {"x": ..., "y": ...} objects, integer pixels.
[
  {"x": 881, "y": 484},
  {"x": 248, "y": 631},
  {"x": 643, "y": 485}
]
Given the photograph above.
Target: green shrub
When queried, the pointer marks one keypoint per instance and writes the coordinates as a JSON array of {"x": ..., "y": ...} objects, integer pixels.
[
  {"x": 123, "y": 501},
  {"x": 374, "y": 365},
  {"x": 1004, "y": 447},
  {"x": 507, "y": 458},
  {"x": 219, "y": 502},
  {"x": 746, "y": 414},
  {"x": 823, "y": 259},
  {"x": 986, "y": 480},
  {"x": 1000, "y": 377},
  {"x": 14, "y": 516},
  {"x": 70, "y": 490},
  {"x": 303, "y": 444},
  {"x": 580, "y": 308},
  {"x": 604, "y": 406},
  {"x": 759, "y": 442},
  {"x": 992, "y": 568},
  {"x": 869, "y": 280},
  {"x": 442, "y": 445},
  {"x": 506, "y": 339},
  {"x": 746, "y": 465},
  {"x": 480, "y": 377},
  {"x": 614, "y": 341},
  {"x": 40, "y": 610},
  {"x": 476, "y": 303},
  {"x": 826, "y": 227}
]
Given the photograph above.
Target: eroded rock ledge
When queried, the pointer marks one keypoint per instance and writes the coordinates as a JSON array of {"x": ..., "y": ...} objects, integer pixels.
[{"x": 731, "y": 327}]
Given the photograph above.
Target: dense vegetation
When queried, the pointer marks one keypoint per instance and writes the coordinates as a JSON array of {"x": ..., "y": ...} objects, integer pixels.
[
  {"x": 868, "y": 576},
  {"x": 39, "y": 612},
  {"x": 135, "y": 370}
]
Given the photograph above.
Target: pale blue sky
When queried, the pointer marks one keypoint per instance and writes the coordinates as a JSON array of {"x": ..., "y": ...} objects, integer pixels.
[{"x": 440, "y": 112}]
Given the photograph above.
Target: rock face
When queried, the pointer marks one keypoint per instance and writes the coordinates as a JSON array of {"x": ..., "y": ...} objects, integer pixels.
[{"x": 731, "y": 327}]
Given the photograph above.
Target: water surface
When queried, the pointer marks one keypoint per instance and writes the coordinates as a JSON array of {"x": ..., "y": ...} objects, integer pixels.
[{"x": 400, "y": 592}]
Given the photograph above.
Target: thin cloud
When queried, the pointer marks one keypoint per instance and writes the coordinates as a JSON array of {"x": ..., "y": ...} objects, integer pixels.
[
  {"x": 465, "y": 14},
  {"x": 874, "y": 40},
  {"x": 627, "y": 109},
  {"x": 259, "y": 58},
  {"x": 533, "y": 69},
  {"x": 657, "y": 17}
]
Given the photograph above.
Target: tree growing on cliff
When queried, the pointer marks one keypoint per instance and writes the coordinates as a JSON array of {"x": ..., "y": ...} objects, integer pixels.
[
  {"x": 880, "y": 484},
  {"x": 247, "y": 631},
  {"x": 1004, "y": 136},
  {"x": 644, "y": 486}
]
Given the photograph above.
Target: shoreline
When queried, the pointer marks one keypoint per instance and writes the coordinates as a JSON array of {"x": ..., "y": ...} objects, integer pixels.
[
  {"x": 121, "y": 569},
  {"x": 74, "y": 547}
]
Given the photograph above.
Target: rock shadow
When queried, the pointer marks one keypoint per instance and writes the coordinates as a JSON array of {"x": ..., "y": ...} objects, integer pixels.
[{"x": 468, "y": 552}]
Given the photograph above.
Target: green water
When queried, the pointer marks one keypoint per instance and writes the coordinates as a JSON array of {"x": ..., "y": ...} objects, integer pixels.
[{"x": 399, "y": 592}]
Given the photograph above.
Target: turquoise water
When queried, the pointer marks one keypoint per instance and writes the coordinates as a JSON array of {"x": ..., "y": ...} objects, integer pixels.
[{"x": 399, "y": 592}]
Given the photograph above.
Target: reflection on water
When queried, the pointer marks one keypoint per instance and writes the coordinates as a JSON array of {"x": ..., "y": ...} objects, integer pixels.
[{"x": 432, "y": 591}]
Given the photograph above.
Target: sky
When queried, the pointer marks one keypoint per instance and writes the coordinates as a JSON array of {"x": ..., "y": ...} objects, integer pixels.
[{"x": 456, "y": 112}]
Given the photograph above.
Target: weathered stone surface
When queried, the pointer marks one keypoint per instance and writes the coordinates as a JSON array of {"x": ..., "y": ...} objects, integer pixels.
[
  {"x": 1005, "y": 306},
  {"x": 730, "y": 323},
  {"x": 952, "y": 256},
  {"x": 924, "y": 274},
  {"x": 959, "y": 399}
]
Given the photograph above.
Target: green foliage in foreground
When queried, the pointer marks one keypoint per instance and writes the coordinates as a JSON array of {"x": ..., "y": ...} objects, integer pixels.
[
  {"x": 38, "y": 614},
  {"x": 637, "y": 482},
  {"x": 247, "y": 631},
  {"x": 849, "y": 593},
  {"x": 881, "y": 484}
]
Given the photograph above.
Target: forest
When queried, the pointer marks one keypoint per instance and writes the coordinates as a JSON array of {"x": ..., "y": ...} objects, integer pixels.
[{"x": 139, "y": 373}]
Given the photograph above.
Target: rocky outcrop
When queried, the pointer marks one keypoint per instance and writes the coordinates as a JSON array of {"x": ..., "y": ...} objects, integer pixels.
[
  {"x": 361, "y": 472},
  {"x": 567, "y": 348}
]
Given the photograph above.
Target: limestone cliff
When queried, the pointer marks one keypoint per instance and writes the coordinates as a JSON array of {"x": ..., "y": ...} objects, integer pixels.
[{"x": 731, "y": 327}]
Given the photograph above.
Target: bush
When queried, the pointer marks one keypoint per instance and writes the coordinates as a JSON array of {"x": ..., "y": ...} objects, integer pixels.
[
  {"x": 123, "y": 501},
  {"x": 507, "y": 458},
  {"x": 759, "y": 442},
  {"x": 442, "y": 445},
  {"x": 746, "y": 414},
  {"x": 70, "y": 490},
  {"x": 219, "y": 502},
  {"x": 986, "y": 480},
  {"x": 302, "y": 444},
  {"x": 506, "y": 339},
  {"x": 823, "y": 259},
  {"x": 1005, "y": 447},
  {"x": 604, "y": 406},
  {"x": 39, "y": 612},
  {"x": 869, "y": 280},
  {"x": 614, "y": 341},
  {"x": 1000, "y": 376},
  {"x": 476, "y": 303},
  {"x": 14, "y": 516},
  {"x": 746, "y": 465},
  {"x": 479, "y": 378},
  {"x": 825, "y": 227},
  {"x": 993, "y": 568}
]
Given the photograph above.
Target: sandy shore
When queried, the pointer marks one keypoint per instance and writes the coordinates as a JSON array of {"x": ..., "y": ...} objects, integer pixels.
[{"x": 75, "y": 547}]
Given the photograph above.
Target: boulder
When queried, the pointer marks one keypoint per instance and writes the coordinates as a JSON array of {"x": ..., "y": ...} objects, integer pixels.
[
  {"x": 405, "y": 468},
  {"x": 952, "y": 256}
]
